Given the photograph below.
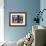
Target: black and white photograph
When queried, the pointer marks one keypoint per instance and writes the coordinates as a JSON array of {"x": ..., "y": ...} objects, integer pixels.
[{"x": 17, "y": 18}]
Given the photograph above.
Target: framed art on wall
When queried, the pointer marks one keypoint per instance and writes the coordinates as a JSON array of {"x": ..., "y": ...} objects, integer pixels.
[{"x": 17, "y": 18}]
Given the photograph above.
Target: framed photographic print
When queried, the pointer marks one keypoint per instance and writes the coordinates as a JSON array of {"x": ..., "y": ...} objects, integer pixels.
[{"x": 17, "y": 18}]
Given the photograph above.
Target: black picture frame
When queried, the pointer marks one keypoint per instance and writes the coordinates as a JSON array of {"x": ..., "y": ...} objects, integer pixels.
[{"x": 17, "y": 19}]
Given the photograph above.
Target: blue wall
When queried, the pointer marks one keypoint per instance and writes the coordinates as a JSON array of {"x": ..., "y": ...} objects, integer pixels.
[
  {"x": 29, "y": 6},
  {"x": 43, "y": 6}
]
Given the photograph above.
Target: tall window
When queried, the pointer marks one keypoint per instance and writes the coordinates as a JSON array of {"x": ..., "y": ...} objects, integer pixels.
[{"x": 1, "y": 20}]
